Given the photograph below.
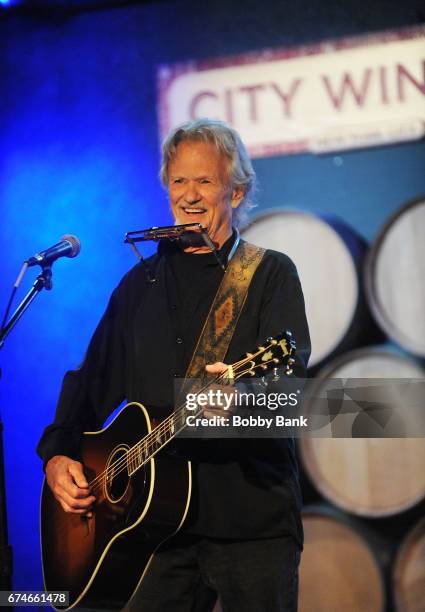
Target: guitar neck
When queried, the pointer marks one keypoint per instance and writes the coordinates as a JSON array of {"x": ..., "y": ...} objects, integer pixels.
[
  {"x": 159, "y": 437},
  {"x": 279, "y": 350}
]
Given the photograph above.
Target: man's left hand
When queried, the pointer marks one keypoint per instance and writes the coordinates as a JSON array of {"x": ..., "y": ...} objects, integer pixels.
[{"x": 224, "y": 394}]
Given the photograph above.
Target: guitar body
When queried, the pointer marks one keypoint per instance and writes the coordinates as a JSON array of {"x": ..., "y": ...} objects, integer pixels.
[
  {"x": 101, "y": 560},
  {"x": 142, "y": 498}
]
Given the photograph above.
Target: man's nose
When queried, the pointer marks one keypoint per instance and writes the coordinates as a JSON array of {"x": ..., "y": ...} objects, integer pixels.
[{"x": 192, "y": 194}]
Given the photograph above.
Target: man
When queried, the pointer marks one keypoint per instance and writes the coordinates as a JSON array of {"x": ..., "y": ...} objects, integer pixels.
[{"x": 243, "y": 536}]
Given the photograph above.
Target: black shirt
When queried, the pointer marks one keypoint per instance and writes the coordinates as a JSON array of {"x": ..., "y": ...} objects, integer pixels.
[{"x": 246, "y": 488}]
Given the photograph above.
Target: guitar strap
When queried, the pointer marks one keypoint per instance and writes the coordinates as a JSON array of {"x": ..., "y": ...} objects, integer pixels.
[{"x": 223, "y": 316}]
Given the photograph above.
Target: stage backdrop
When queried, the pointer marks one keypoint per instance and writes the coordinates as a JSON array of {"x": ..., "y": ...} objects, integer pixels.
[{"x": 79, "y": 154}]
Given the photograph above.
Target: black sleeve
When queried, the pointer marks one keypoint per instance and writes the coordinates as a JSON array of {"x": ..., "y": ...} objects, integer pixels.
[
  {"x": 92, "y": 391},
  {"x": 282, "y": 308}
]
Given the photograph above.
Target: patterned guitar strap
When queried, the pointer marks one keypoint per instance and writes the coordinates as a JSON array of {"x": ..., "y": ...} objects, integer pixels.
[{"x": 223, "y": 316}]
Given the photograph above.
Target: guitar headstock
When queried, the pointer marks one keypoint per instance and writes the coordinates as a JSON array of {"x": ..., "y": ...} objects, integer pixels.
[{"x": 276, "y": 351}]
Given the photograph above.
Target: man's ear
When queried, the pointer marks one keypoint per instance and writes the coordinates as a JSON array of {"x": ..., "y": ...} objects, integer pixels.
[{"x": 237, "y": 196}]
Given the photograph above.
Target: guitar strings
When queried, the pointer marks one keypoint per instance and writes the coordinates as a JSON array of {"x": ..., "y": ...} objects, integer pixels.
[
  {"x": 147, "y": 444},
  {"x": 149, "y": 440},
  {"x": 122, "y": 463},
  {"x": 165, "y": 426}
]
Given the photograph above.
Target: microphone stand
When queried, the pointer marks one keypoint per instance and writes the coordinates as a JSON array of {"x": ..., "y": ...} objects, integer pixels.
[{"x": 43, "y": 281}]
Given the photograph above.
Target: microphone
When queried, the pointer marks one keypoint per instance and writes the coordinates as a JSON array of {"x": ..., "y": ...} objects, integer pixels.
[{"x": 69, "y": 246}]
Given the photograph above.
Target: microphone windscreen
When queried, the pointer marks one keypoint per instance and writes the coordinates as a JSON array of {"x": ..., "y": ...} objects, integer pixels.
[{"x": 75, "y": 244}]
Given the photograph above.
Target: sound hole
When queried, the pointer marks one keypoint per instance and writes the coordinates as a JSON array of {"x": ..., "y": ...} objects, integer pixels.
[{"x": 117, "y": 479}]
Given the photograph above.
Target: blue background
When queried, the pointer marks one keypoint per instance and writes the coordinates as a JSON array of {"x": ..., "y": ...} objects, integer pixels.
[{"x": 79, "y": 154}]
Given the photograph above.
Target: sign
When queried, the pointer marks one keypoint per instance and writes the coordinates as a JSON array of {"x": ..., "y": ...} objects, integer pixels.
[{"x": 350, "y": 93}]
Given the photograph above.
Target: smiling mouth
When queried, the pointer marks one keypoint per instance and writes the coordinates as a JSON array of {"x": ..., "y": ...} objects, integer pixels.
[{"x": 194, "y": 211}]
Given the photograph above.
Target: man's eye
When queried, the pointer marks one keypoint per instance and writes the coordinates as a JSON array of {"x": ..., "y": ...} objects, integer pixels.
[
  {"x": 177, "y": 180},
  {"x": 204, "y": 181}
]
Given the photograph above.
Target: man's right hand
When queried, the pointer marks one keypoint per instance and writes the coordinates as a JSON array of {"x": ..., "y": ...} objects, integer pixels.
[{"x": 66, "y": 479}]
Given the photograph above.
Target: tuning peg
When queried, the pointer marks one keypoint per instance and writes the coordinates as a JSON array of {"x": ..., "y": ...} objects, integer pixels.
[
  {"x": 276, "y": 376},
  {"x": 291, "y": 361},
  {"x": 275, "y": 360},
  {"x": 289, "y": 372}
]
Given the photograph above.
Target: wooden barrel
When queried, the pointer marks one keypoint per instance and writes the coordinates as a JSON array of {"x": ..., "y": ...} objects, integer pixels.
[
  {"x": 339, "y": 568},
  {"x": 395, "y": 277},
  {"x": 369, "y": 476},
  {"x": 409, "y": 572},
  {"x": 329, "y": 257}
]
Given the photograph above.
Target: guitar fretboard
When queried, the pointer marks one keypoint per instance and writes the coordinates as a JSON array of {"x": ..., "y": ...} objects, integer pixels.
[
  {"x": 275, "y": 351},
  {"x": 144, "y": 450}
]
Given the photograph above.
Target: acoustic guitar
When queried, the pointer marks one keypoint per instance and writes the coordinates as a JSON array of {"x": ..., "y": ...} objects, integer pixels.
[{"x": 142, "y": 497}]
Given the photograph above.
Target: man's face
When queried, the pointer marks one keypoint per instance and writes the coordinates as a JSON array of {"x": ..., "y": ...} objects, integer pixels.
[{"x": 199, "y": 189}]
